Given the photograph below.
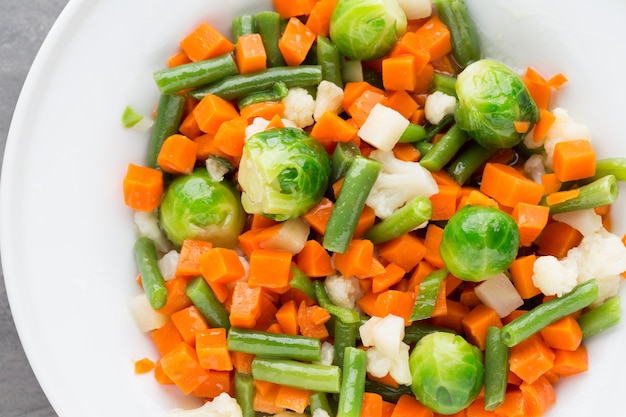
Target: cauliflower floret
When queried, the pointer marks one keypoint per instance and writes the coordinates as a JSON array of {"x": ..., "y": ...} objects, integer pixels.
[
  {"x": 147, "y": 223},
  {"x": 563, "y": 129},
  {"x": 586, "y": 222},
  {"x": 438, "y": 105},
  {"x": 328, "y": 353},
  {"x": 400, "y": 370},
  {"x": 146, "y": 317},
  {"x": 398, "y": 182},
  {"x": 553, "y": 276},
  {"x": 299, "y": 107},
  {"x": 168, "y": 264},
  {"x": 343, "y": 291},
  {"x": 534, "y": 167},
  {"x": 329, "y": 97},
  {"x": 378, "y": 365},
  {"x": 259, "y": 124},
  {"x": 222, "y": 406}
]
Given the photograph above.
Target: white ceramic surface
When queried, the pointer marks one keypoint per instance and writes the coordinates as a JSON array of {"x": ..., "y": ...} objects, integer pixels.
[{"x": 67, "y": 236}]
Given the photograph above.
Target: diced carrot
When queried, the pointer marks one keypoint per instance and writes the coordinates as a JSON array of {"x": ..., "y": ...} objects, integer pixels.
[
  {"x": 455, "y": 311},
  {"x": 521, "y": 271},
  {"x": 539, "y": 89},
  {"x": 398, "y": 303},
  {"x": 387, "y": 409},
  {"x": 521, "y": 126},
  {"x": 531, "y": 220},
  {"x": 176, "y": 296},
  {"x": 296, "y": 41},
  {"x": 287, "y": 317},
  {"x": 409, "y": 406},
  {"x": 508, "y": 186},
  {"x": 557, "y": 239},
  {"x": 143, "y": 187},
  {"x": 230, "y": 136},
  {"x": 250, "y": 53},
  {"x": 474, "y": 197},
  {"x": 561, "y": 196},
  {"x": 206, "y": 42},
  {"x": 166, "y": 337},
  {"x": 217, "y": 383},
  {"x": 432, "y": 241},
  {"x": 269, "y": 268},
  {"x": 372, "y": 405},
  {"x": 221, "y": 265},
  {"x": 354, "y": 89},
  {"x": 265, "y": 400},
  {"x": 249, "y": 240},
  {"x": 144, "y": 365},
  {"x": 468, "y": 296},
  {"x": 392, "y": 275},
  {"x": 182, "y": 367},
  {"x": 242, "y": 362},
  {"x": 477, "y": 322},
  {"x": 212, "y": 111},
  {"x": 291, "y": 8},
  {"x": 568, "y": 362},
  {"x": 265, "y": 109},
  {"x": 319, "y": 18},
  {"x": 179, "y": 58},
  {"x": 445, "y": 202},
  {"x": 159, "y": 375},
  {"x": 276, "y": 122},
  {"x": 402, "y": 102},
  {"x": 367, "y": 304},
  {"x": 406, "y": 152},
  {"x": 531, "y": 358},
  {"x": 434, "y": 37},
  {"x": 307, "y": 321},
  {"x": 363, "y": 104},
  {"x": 331, "y": 128},
  {"x": 410, "y": 43},
  {"x": 189, "y": 321},
  {"x": 314, "y": 260},
  {"x": 212, "y": 350},
  {"x": 245, "y": 308},
  {"x": 178, "y": 154},
  {"x": 513, "y": 405},
  {"x": 477, "y": 409},
  {"x": 574, "y": 160},
  {"x": 539, "y": 396},
  {"x": 317, "y": 217},
  {"x": 546, "y": 120},
  {"x": 189, "y": 258},
  {"x": 551, "y": 183},
  {"x": 268, "y": 311},
  {"x": 258, "y": 221},
  {"x": 563, "y": 334},
  {"x": 399, "y": 72},
  {"x": 357, "y": 260},
  {"x": 295, "y": 399},
  {"x": 189, "y": 126},
  {"x": 424, "y": 79}
]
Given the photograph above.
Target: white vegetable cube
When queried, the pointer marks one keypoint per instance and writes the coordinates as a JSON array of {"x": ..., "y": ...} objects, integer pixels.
[
  {"x": 438, "y": 105},
  {"x": 499, "y": 294},
  {"x": 388, "y": 335},
  {"x": 366, "y": 331},
  {"x": 145, "y": 316},
  {"x": 383, "y": 127},
  {"x": 586, "y": 222},
  {"x": 416, "y": 9}
]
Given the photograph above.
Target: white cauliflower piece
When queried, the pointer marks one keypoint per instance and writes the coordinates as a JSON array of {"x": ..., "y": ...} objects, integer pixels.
[
  {"x": 378, "y": 365},
  {"x": 388, "y": 335},
  {"x": 168, "y": 264},
  {"x": 400, "y": 370},
  {"x": 586, "y": 222},
  {"x": 329, "y": 97},
  {"x": 222, "y": 406},
  {"x": 366, "y": 331},
  {"x": 328, "y": 353},
  {"x": 146, "y": 317},
  {"x": 416, "y": 9},
  {"x": 398, "y": 182},
  {"x": 343, "y": 291},
  {"x": 299, "y": 107},
  {"x": 553, "y": 276},
  {"x": 258, "y": 125},
  {"x": 534, "y": 167},
  {"x": 438, "y": 105},
  {"x": 563, "y": 129},
  {"x": 147, "y": 223}
]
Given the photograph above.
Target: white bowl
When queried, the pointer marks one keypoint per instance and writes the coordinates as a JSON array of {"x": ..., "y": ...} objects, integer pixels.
[{"x": 67, "y": 236}]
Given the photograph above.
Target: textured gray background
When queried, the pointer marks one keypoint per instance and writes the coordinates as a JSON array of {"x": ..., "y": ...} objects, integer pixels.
[{"x": 23, "y": 27}]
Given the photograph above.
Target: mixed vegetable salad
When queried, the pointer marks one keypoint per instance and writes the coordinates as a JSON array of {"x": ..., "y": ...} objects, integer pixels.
[{"x": 347, "y": 210}]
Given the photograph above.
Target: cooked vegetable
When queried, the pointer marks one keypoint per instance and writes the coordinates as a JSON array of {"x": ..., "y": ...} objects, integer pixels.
[
  {"x": 352, "y": 383},
  {"x": 314, "y": 377},
  {"x": 496, "y": 369},
  {"x": 366, "y": 29},
  {"x": 447, "y": 372},
  {"x": 600, "y": 318},
  {"x": 169, "y": 115},
  {"x": 196, "y": 207},
  {"x": 194, "y": 74},
  {"x": 465, "y": 43},
  {"x": 491, "y": 98},
  {"x": 601, "y": 192},
  {"x": 479, "y": 243},
  {"x": 205, "y": 300},
  {"x": 283, "y": 172},
  {"x": 274, "y": 345},
  {"x": 151, "y": 278}
]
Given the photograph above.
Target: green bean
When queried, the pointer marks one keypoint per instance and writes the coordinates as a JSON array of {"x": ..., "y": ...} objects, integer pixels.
[
  {"x": 468, "y": 162},
  {"x": 319, "y": 400},
  {"x": 427, "y": 295},
  {"x": 352, "y": 382},
  {"x": 302, "y": 282},
  {"x": 202, "y": 296},
  {"x": 169, "y": 114},
  {"x": 388, "y": 393},
  {"x": 601, "y": 192},
  {"x": 433, "y": 130},
  {"x": 236, "y": 86},
  {"x": 195, "y": 74},
  {"x": 444, "y": 83},
  {"x": 329, "y": 58},
  {"x": 417, "y": 330},
  {"x": 445, "y": 149},
  {"x": 274, "y": 345},
  {"x": 278, "y": 92},
  {"x": 465, "y": 42},
  {"x": 612, "y": 166},
  {"x": 424, "y": 147},
  {"x": 600, "y": 318},
  {"x": 546, "y": 313},
  {"x": 151, "y": 278},
  {"x": 401, "y": 221},
  {"x": 496, "y": 369},
  {"x": 412, "y": 133},
  {"x": 343, "y": 314},
  {"x": 268, "y": 24},
  {"x": 342, "y": 157},
  {"x": 356, "y": 186},
  {"x": 314, "y": 377},
  {"x": 243, "y": 25},
  {"x": 344, "y": 336},
  {"x": 244, "y": 394}
]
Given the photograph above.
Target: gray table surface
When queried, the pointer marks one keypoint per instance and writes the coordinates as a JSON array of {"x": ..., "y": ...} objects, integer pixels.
[{"x": 23, "y": 27}]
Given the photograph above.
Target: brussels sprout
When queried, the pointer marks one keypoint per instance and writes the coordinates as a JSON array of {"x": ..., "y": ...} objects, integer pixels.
[
  {"x": 366, "y": 29},
  {"x": 491, "y": 97},
  {"x": 283, "y": 173},
  {"x": 447, "y": 372},
  {"x": 479, "y": 243},
  {"x": 197, "y": 207}
]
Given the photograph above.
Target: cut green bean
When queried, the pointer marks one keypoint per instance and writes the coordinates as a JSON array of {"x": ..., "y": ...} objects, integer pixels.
[
  {"x": 166, "y": 123},
  {"x": 444, "y": 83},
  {"x": 601, "y": 192},
  {"x": 236, "y": 86},
  {"x": 319, "y": 400},
  {"x": 423, "y": 147},
  {"x": 463, "y": 36},
  {"x": 195, "y": 74},
  {"x": 352, "y": 382},
  {"x": 329, "y": 58},
  {"x": 268, "y": 24},
  {"x": 546, "y": 313},
  {"x": 344, "y": 336},
  {"x": 151, "y": 278},
  {"x": 309, "y": 376},
  {"x": 445, "y": 149},
  {"x": 412, "y": 133},
  {"x": 243, "y": 25},
  {"x": 278, "y": 92},
  {"x": 244, "y": 394},
  {"x": 496, "y": 369},
  {"x": 343, "y": 155},
  {"x": 274, "y": 345},
  {"x": 356, "y": 186},
  {"x": 433, "y": 130},
  {"x": 427, "y": 295},
  {"x": 401, "y": 221},
  {"x": 417, "y": 330},
  {"x": 344, "y": 314},
  {"x": 302, "y": 282},
  {"x": 468, "y": 162},
  {"x": 600, "y": 318},
  {"x": 202, "y": 296},
  {"x": 611, "y": 166}
]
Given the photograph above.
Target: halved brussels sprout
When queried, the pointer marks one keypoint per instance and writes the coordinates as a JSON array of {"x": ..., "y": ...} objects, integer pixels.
[
  {"x": 197, "y": 207},
  {"x": 491, "y": 99},
  {"x": 283, "y": 173}
]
